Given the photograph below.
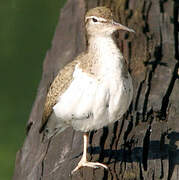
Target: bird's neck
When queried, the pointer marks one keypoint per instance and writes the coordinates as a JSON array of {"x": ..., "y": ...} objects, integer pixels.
[
  {"x": 105, "y": 55},
  {"x": 99, "y": 44}
]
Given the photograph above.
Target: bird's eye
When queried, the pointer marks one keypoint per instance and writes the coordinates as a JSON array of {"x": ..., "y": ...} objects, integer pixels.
[{"x": 94, "y": 20}]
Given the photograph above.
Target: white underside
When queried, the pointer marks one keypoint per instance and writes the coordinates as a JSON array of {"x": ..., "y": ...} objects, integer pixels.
[{"x": 90, "y": 104}]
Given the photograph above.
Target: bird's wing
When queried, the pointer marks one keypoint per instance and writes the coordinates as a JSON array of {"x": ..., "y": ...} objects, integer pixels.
[{"x": 59, "y": 85}]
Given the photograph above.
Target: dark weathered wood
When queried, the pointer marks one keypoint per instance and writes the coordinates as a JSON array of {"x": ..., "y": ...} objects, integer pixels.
[{"x": 142, "y": 145}]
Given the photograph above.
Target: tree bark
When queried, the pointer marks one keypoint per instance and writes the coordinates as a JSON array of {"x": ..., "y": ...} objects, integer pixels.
[{"x": 144, "y": 144}]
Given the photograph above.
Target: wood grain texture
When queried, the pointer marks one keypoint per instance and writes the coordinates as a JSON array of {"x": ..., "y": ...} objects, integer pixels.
[{"x": 144, "y": 144}]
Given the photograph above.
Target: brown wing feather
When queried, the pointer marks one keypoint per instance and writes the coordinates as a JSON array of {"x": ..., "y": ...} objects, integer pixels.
[{"x": 59, "y": 85}]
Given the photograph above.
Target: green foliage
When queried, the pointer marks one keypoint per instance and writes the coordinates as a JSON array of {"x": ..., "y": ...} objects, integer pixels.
[{"x": 26, "y": 31}]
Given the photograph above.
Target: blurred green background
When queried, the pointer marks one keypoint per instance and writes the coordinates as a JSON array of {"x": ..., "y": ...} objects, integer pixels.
[{"x": 26, "y": 31}]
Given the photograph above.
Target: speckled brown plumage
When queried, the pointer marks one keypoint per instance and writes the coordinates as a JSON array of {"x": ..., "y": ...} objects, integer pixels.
[
  {"x": 59, "y": 85},
  {"x": 88, "y": 64},
  {"x": 102, "y": 12}
]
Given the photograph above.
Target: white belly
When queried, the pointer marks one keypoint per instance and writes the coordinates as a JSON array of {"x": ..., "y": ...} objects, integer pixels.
[{"x": 90, "y": 104}]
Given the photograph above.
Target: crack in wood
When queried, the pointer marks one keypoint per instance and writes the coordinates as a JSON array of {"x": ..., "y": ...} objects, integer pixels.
[
  {"x": 165, "y": 101},
  {"x": 146, "y": 143},
  {"x": 146, "y": 8},
  {"x": 28, "y": 127},
  {"x": 43, "y": 160},
  {"x": 176, "y": 27},
  {"x": 116, "y": 145},
  {"x": 128, "y": 130},
  {"x": 162, "y": 169},
  {"x": 161, "y": 5},
  {"x": 114, "y": 135},
  {"x": 158, "y": 57},
  {"x": 90, "y": 149},
  {"x": 102, "y": 143}
]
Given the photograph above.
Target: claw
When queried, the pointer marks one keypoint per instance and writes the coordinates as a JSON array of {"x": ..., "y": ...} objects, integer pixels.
[{"x": 88, "y": 164}]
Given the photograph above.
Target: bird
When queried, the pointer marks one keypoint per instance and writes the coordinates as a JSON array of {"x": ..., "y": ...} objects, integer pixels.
[{"x": 95, "y": 89}]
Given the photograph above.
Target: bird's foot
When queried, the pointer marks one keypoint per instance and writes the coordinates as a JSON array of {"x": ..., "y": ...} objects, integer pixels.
[{"x": 83, "y": 163}]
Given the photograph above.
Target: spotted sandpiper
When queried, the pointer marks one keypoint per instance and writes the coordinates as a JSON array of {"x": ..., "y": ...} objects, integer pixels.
[{"x": 95, "y": 89}]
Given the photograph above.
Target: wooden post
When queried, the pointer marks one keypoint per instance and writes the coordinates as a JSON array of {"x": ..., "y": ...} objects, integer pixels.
[{"x": 144, "y": 143}]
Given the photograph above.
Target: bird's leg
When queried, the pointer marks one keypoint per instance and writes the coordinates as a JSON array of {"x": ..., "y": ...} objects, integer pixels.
[{"x": 83, "y": 162}]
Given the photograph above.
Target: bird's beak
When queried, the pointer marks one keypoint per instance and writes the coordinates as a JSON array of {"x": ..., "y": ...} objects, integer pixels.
[{"x": 121, "y": 27}]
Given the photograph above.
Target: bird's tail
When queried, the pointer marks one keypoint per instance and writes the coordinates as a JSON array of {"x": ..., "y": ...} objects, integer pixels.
[{"x": 53, "y": 127}]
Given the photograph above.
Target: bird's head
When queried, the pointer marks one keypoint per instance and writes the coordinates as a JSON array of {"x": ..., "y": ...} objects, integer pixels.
[{"x": 100, "y": 21}]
